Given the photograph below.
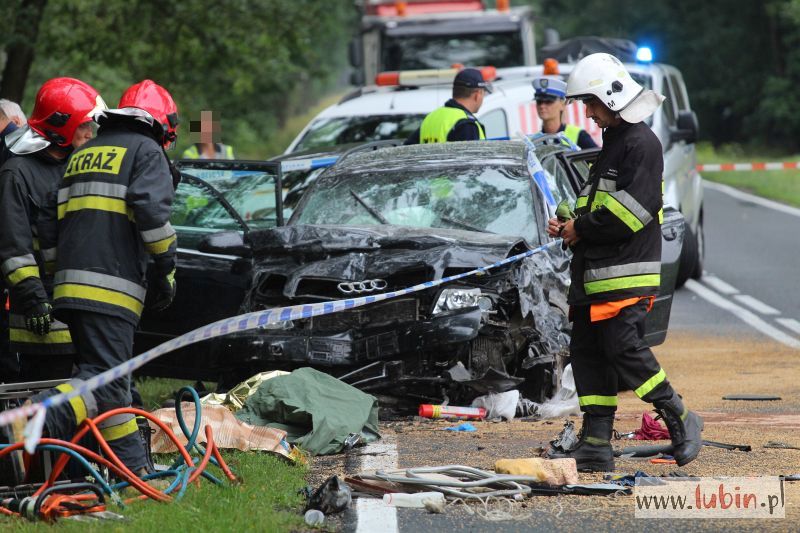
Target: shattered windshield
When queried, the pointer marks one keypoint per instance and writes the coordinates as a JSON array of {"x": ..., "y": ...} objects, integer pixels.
[
  {"x": 250, "y": 193},
  {"x": 414, "y": 52},
  {"x": 341, "y": 130},
  {"x": 489, "y": 199}
]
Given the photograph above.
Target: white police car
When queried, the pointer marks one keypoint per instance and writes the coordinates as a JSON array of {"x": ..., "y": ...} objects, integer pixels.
[{"x": 396, "y": 105}]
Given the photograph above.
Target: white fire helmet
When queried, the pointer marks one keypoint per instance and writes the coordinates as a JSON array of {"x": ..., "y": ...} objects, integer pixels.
[{"x": 605, "y": 77}]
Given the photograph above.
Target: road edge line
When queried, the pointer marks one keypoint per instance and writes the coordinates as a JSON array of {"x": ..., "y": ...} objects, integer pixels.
[
  {"x": 736, "y": 193},
  {"x": 372, "y": 514},
  {"x": 743, "y": 314}
]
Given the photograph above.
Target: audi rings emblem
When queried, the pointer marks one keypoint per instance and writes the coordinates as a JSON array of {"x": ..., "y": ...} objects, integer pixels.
[{"x": 360, "y": 287}]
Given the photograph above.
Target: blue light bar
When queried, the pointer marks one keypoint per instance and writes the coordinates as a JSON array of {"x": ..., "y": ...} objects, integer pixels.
[{"x": 644, "y": 54}]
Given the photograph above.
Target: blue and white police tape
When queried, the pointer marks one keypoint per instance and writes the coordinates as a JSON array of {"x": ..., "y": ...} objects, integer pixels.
[
  {"x": 308, "y": 164},
  {"x": 536, "y": 170},
  {"x": 245, "y": 322}
]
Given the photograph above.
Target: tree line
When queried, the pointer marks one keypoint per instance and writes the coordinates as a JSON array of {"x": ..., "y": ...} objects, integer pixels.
[{"x": 256, "y": 63}]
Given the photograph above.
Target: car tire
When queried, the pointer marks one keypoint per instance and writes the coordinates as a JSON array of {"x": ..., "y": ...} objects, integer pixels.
[
  {"x": 689, "y": 257},
  {"x": 700, "y": 239}
]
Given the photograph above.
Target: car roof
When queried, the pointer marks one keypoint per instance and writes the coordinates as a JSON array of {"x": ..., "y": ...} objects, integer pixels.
[
  {"x": 372, "y": 100},
  {"x": 471, "y": 153}
]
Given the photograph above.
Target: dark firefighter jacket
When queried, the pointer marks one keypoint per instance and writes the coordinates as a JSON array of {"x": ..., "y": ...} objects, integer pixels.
[
  {"x": 113, "y": 210},
  {"x": 619, "y": 214},
  {"x": 26, "y": 181}
]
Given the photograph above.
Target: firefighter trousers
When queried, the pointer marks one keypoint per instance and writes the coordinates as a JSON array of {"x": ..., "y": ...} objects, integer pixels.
[
  {"x": 611, "y": 355},
  {"x": 101, "y": 342}
]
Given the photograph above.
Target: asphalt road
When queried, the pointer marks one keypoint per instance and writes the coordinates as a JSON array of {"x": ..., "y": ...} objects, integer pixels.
[{"x": 746, "y": 300}]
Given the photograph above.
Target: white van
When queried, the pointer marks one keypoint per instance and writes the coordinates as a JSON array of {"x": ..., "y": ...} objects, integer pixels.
[{"x": 394, "y": 112}]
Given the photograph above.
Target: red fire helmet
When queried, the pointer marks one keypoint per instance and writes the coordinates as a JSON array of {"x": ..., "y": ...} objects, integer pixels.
[
  {"x": 156, "y": 100},
  {"x": 63, "y": 104}
]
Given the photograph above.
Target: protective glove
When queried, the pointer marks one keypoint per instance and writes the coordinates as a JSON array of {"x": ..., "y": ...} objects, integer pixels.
[
  {"x": 38, "y": 318},
  {"x": 163, "y": 292}
]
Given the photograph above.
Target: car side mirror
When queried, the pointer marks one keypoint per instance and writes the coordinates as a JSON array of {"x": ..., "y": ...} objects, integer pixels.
[
  {"x": 686, "y": 128},
  {"x": 226, "y": 243}
]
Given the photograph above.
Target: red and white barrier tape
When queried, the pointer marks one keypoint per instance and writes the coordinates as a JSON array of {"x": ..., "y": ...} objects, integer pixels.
[{"x": 746, "y": 167}]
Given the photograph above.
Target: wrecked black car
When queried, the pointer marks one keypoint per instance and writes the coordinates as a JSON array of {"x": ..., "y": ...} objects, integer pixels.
[{"x": 380, "y": 221}]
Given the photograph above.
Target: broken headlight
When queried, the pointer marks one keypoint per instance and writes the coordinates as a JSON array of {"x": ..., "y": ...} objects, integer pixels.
[{"x": 452, "y": 299}]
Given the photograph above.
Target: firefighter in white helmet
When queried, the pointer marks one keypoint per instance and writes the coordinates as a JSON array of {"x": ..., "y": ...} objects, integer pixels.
[{"x": 616, "y": 266}]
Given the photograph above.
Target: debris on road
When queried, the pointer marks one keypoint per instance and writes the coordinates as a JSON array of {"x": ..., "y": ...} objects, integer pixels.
[
  {"x": 317, "y": 411},
  {"x": 451, "y": 411},
  {"x": 234, "y": 399},
  {"x": 563, "y": 403},
  {"x": 314, "y": 517},
  {"x": 464, "y": 426},
  {"x": 333, "y": 496},
  {"x": 781, "y": 445},
  {"x": 549, "y": 471},
  {"x": 419, "y": 500},
  {"x": 566, "y": 440},
  {"x": 752, "y": 397},
  {"x": 651, "y": 429},
  {"x": 501, "y": 405}
]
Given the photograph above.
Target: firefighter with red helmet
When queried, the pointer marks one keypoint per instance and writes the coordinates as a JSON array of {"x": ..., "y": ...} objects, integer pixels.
[
  {"x": 61, "y": 121},
  {"x": 112, "y": 216}
]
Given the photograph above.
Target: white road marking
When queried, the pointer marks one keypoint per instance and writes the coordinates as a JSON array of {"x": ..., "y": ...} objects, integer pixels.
[
  {"x": 718, "y": 284},
  {"x": 372, "y": 515},
  {"x": 741, "y": 195},
  {"x": 756, "y": 305},
  {"x": 789, "y": 323},
  {"x": 743, "y": 314}
]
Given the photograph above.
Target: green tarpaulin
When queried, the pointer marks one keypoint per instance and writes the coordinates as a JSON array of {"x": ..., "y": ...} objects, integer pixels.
[{"x": 317, "y": 411}]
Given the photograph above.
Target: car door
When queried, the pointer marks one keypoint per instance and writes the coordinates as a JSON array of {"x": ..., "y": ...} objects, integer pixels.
[
  {"x": 577, "y": 165},
  {"x": 213, "y": 197}
]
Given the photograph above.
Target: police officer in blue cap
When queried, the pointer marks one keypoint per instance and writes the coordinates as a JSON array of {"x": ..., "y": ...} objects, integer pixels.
[
  {"x": 550, "y": 95},
  {"x": 456, "y": 121}
]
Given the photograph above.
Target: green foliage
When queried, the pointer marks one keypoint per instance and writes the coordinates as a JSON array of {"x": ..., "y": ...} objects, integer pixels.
[
  {"x": 740, "y": 59},
  {"x": 253, "y": 62}
]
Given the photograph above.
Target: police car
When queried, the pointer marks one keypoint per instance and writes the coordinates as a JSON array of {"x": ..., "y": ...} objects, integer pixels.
[{"x": 394, "y": 107}]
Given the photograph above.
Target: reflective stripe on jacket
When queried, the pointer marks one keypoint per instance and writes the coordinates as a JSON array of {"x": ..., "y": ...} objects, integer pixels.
[
  {"x": 113, "y": 214},
  {"x": 437, "y": 125},
  {"x": 27, "y": 184},
  {"x": 618, "y": 255}
]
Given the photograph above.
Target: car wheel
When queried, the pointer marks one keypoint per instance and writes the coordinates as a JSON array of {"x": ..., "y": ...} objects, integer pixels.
[
  {"x": 701, "y": 251},
  {"x": 688, "y": 259}
]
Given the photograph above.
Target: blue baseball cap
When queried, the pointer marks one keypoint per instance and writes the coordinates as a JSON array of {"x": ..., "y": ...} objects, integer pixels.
[
  {"x": 472, "y": 78},
  {"x": 549, "y": 88}
]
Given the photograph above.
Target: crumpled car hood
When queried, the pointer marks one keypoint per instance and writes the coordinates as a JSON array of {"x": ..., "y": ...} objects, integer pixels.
[{"x": 357, "y": 253}]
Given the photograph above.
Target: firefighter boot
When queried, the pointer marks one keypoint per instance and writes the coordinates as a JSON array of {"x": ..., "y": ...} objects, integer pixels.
[
  {"x": 593, "y": 453},
  {"x": 684, "y": 427}
]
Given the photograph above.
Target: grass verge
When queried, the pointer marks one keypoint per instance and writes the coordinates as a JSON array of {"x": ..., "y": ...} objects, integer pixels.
[
  {"x": 780, "y": 185},
  {"x": 266, "y": 500}
]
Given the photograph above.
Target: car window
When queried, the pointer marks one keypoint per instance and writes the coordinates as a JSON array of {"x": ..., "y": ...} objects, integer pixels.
[
  {"x": 488, "y": 199},
  {"x": 250, "y": 193},
  {"x": 342, "y": 130},
  {"x": 495, "y": 124},
  {"x": 558, "y": 179},
  {"x": 677, "y": 89},
  {"x": 669, "y": 111},
  {"x": 419, "y": 52}
]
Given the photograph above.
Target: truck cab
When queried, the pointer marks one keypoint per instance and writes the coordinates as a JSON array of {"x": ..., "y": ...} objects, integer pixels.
[{"x": 418, "y": 35}]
